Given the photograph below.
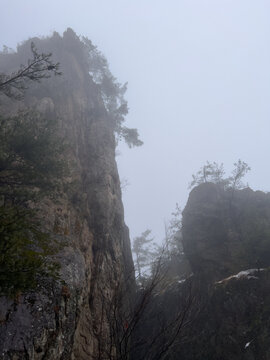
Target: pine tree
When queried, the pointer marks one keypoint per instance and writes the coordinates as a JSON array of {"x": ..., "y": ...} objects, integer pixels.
[
  {"x": 145, "y": 251},
  {"x": 215, "y": 173},
  {"x": 112, "y": 93}
]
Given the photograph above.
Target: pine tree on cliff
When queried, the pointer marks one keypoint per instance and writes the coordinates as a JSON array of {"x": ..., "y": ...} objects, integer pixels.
[
  {"x": 215, "y": 173},
  {"x": 112, "y": 93}
]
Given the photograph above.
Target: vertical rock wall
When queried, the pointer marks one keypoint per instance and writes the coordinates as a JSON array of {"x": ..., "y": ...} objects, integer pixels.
[
  {"x": 67, "y": 320},
  {"x": 226, "y": 239}
]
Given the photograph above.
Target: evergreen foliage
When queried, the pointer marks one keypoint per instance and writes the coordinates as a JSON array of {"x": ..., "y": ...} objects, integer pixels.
[
  {"x": 215, "y": 173},
  {"x": 91, "y": 60},
  {"x": 145, "y": 252},
  {"x": 240, "y": 170},
  {"x": 112, "y": 93},
  {"x": 172, "y": 243},
  {"x": 148, "y": 255}
]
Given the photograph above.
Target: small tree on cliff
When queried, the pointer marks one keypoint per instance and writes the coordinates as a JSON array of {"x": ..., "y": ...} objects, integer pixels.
[
  {"x": 240, "y": 170},
  {"x": 211, "y": 172},
  {"x": 39, "y": 67},
  {"x": 215, "y": 173},
  {"x": 112, "y": 93}
]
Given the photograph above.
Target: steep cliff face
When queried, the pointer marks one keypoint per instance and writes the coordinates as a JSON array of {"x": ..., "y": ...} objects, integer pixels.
[
  {"x": 68, "y": 320},
  {"x": 225, "y": 231},
  {"x": 227, "y": 241}
]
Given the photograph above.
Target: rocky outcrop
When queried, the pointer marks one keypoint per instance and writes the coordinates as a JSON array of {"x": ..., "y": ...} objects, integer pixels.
[
  {"x": 226, "y": 231},
  {"x": 68, "y": 320},
  {"x": 222, "y": 310},
  {"x": 227, "y": 241}
]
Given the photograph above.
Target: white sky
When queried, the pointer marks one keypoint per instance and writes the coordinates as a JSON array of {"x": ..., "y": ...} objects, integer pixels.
[{"x": 199, "y": 86}]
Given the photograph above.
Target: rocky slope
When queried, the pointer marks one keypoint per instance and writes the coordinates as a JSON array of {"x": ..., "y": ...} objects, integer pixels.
[{"x": 68, "y": 320}]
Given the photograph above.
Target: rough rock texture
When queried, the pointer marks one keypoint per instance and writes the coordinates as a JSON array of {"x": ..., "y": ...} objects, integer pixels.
[
  {"x": 67, "y": 321},
  {"x": 225, "y": 232},
  {"x": 226, "y": 238},
  {"x": 234, "y": 323}
]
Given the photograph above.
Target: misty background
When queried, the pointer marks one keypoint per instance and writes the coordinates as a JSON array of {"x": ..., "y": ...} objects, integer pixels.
[{"x": 198, "y": 75}]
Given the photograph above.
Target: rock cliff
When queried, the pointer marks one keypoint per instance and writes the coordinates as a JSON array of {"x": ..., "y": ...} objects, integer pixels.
[
  {"x": 221, "y": 310},
  {"x": 227, "y": 241},
  {"x": 68, "y": 320},
  {"x": 226, "y": 231}
]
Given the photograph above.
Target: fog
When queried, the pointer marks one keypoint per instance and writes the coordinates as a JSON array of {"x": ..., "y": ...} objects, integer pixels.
[{"x": 199, "y": 86}]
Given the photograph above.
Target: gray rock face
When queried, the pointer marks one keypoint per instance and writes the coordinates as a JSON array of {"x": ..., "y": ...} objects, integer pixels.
[
  {"x": 226, "y": 238},
  {"x": 225, "y": 232},
  {"x": 66, "y": 321},
  {"x": 234, "y": 323}
]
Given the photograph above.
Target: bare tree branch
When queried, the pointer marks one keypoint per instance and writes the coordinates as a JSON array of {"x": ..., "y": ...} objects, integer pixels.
[{"x": 39, "y": 67}]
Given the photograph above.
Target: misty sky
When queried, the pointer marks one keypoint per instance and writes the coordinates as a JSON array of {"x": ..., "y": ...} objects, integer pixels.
[{"x": 199, "y": 86}]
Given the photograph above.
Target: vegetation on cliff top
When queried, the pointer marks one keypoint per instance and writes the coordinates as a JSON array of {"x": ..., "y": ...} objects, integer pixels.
[
  {"x": 215, "y": 173},
  {"x": 112, "y": 92}
]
